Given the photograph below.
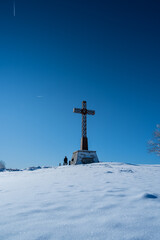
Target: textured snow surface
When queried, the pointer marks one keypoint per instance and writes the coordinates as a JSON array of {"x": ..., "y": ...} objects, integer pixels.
[{"x": 97, "y": 201}]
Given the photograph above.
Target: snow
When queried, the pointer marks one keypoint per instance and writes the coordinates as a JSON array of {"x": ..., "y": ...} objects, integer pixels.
[{"x": 96, "y": 201}]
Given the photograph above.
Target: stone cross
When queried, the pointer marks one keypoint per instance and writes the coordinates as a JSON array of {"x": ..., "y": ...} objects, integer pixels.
[{"x": 84, "y": 111}]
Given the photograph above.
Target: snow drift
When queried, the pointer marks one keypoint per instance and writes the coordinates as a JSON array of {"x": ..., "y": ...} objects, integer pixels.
[{"x": 97, "y": 201}]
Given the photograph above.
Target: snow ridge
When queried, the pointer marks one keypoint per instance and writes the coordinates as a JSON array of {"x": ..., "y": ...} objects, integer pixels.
[{"x": 96, "y": 201}]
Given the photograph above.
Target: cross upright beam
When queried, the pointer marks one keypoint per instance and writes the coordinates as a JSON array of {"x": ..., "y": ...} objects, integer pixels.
[{"x": 84, "y": 112}]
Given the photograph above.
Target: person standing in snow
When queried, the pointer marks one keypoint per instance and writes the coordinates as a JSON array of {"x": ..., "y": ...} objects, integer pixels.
[{"x": 65, "y": 161}]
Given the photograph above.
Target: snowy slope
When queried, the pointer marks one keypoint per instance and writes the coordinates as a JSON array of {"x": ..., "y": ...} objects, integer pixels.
[{"x": 97, "y": 201}]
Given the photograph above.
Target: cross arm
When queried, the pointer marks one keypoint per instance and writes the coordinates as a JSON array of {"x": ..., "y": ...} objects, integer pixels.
[
  {"x": 77, "y": 110},
  {"x": 90, "y": 112}
]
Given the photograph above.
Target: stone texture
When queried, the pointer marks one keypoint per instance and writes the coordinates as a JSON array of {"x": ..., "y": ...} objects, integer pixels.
[{"x": 84, "y": 157}]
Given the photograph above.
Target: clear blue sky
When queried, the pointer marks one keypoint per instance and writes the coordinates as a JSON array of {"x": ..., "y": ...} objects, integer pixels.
[{"x": 56, "y": 53}]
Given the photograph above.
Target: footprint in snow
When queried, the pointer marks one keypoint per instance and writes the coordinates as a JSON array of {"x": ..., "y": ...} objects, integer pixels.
[{"x": 127, "y": 170}]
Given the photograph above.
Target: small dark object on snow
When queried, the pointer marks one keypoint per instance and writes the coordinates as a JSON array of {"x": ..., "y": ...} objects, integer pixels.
[{"x": 149, "y": 195}]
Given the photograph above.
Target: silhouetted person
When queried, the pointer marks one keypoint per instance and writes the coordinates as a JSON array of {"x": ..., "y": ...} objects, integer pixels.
[{"x": 65, "y": 161}]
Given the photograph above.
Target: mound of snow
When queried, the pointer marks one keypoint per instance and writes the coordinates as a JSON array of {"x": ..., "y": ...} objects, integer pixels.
[{"x": 97, "y": 201}]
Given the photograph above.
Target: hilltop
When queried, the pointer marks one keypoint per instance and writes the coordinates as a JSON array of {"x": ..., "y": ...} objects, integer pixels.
[{"x": 95, "y": 201}]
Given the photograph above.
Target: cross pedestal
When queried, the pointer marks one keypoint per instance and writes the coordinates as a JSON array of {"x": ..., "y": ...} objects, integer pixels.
[{"x": 84, "y": 156}]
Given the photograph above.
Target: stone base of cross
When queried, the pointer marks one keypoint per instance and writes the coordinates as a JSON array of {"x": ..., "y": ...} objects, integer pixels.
[
  {"x": 84, "y": 157},
  {"x": 84, "y": 111}
]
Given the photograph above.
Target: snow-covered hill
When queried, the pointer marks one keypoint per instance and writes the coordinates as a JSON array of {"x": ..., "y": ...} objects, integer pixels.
[{"x": 101, "y": 201}]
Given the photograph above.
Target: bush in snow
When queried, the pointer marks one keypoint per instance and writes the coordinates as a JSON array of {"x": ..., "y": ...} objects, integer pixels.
[
  {"x": 33, "y": 168},
  {"x": 2, "y": 165}
]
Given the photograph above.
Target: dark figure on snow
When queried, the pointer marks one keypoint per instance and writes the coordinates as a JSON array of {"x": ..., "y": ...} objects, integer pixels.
[{"x": 65, "y": 161}]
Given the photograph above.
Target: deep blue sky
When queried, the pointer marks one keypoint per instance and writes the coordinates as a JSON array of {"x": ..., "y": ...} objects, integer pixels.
[{"x": 67, "y": 51}]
